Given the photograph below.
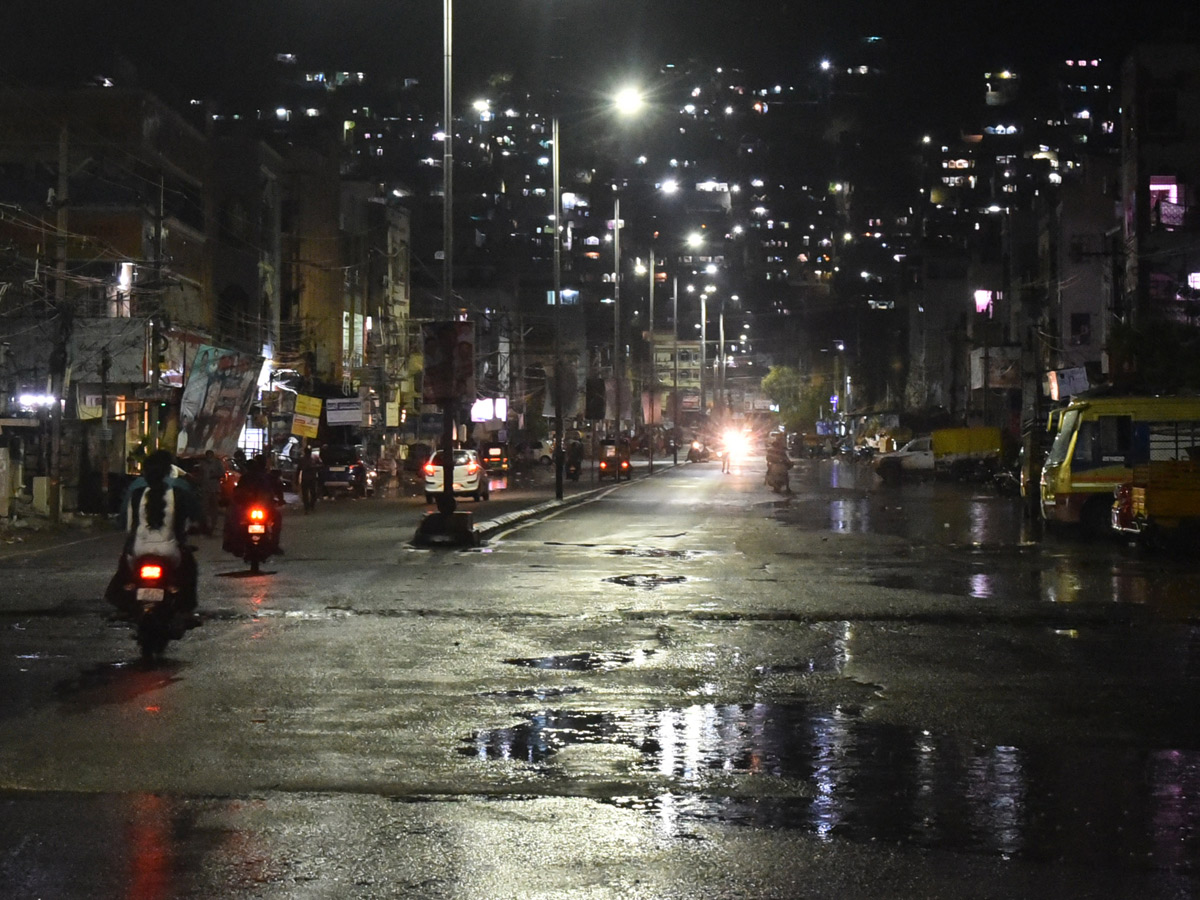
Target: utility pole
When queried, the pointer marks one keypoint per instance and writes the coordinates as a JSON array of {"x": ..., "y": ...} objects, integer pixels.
[
  {"x": 58, "y": 357},
  {"x": 153, "y": 406},
  {"x": 675, "y": 404},
  {"x": 558, "y": 360},
  {"x": 446, "y": 502},
  {"x": 617, "y": 315},
  {"x": 653, "y": 361}
]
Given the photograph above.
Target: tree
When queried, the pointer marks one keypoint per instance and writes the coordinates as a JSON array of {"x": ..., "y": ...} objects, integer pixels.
[{"x": 797, "y": 395}]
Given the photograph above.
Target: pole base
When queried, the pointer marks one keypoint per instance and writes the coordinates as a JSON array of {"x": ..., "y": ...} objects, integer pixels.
[{"x": 456, "y": 529}]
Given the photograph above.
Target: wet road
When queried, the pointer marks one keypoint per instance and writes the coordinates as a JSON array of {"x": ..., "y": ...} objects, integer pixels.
[{"x": 683, "y": 687}]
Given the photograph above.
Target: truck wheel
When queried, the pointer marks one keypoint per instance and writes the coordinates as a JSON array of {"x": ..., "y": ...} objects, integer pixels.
[
  {"x": 889, "y": 471},
  {"x": 1095, "y": 519}
]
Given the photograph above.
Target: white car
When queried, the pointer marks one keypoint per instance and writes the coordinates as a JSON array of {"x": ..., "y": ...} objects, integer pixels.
[
  {"x": 470, "y": 476},
  {"x": 541, "y": 452}
]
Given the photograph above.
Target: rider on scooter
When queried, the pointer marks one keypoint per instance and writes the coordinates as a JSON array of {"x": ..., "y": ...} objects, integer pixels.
[
  {"x": 778, "y": 465},
  {"x": 257, "y": 485},
  {"x": 157, "y": 514}
]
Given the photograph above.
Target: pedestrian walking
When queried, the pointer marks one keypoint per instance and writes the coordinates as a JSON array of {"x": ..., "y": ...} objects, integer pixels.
[{"x": 211, "y": 474}]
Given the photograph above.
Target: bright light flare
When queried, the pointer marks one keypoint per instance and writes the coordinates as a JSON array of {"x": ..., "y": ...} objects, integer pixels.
[
  {"x": 629, "y": 101},
  {"x": 737, "y": 444}
]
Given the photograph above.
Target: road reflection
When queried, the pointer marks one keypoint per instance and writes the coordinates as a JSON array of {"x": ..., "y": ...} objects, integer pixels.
[{"x": 834, "y": 772}]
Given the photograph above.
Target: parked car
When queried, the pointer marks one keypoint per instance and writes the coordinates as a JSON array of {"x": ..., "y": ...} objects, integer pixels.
[
  {"x": 343, "y": 471},
  {"x": 541, "y": 452},
  {"x": 470, "y": 476}
]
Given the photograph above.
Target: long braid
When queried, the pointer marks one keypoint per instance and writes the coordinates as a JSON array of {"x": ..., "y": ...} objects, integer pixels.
[{"x": 155, "y": 471}]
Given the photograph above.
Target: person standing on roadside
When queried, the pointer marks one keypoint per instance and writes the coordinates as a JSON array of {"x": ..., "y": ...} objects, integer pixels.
[{"x": 211, "y": 474}]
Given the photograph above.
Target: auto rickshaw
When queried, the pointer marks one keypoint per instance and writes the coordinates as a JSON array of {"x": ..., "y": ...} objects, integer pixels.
[{"x": 614, "y": 460}]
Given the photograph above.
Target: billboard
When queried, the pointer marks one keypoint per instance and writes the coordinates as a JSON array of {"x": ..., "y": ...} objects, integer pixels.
[{"x": 216, "y": 399}]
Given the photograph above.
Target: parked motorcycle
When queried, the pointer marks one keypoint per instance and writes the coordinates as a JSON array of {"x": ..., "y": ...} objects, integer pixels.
[{"x": 157, "y": 596}]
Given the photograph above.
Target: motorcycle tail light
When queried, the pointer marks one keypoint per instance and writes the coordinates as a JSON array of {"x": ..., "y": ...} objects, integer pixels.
[
  {"x": 150, "y": 572},
  {"x": 257, "y": 514}
]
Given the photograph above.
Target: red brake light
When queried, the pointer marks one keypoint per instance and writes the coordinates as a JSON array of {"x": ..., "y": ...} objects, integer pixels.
[
  {"x": 428, "y": 468},
  {"x": 603, "y": 464},
  {"x": 472, "y": 468},
  {"x": 150, "y": 572},
  {"x": 257, "y": 514}
]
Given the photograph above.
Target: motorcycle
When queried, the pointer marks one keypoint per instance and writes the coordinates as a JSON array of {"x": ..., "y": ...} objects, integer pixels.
[
  {"x": 699, "y": 452},
  {"x": 255, "y": 535},
  {"x": 574, "y": 460},
  {"x": 777, "y": 478},
  {"x": 157, "y": 600}
]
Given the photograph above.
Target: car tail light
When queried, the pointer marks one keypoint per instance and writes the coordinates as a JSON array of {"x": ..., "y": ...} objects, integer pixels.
[
  {"x": 150, "y": 572},
  {"x": 624, "y": 464},
  {"x": 472, "y": 468},
  {"x": 258, "y": 514},
  {"x": 429, "y": 469},
  {"x": 603, "y": 464}
]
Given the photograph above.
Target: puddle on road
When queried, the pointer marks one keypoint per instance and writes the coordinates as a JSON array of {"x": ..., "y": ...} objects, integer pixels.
[
  {"x": 652, "y": 553},
  {"x": 835, "y": 774},
  {"x": 646, "y": 582},
  {"x": 582, "y": 662}
]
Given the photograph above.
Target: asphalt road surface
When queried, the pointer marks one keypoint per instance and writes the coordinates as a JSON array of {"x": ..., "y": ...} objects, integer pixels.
[{"x": 685, "y": 686}]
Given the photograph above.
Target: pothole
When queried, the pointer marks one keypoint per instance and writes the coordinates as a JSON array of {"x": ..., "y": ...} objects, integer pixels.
[{"x": 646, "y": 582}]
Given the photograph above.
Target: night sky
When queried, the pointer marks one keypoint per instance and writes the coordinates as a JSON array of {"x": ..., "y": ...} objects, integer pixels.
[{"x": 225, "y": 46}]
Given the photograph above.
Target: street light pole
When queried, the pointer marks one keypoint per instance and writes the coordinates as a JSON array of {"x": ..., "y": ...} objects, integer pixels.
[
  {"x": 675, "y": 375},
  {"x": 446, "y": 502},
  {"x": 653, "y": 363},
  {"x": 558, "y": 381},
  {"x": 616, "y": 315},
  {"x": 703, "y": 351}
]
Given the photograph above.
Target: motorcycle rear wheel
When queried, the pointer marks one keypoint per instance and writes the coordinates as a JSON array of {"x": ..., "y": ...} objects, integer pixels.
[{"x": 152, "y": 639}]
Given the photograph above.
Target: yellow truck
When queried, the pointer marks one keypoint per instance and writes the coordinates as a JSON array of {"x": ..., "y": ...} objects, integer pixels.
[
  {"x": 1161, "y": 504},
  {"x": 1098, "y": 441},
  {"x": 962, "y": 453}
]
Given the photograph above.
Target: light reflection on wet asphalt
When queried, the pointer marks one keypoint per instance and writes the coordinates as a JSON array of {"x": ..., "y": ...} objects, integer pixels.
[
  {"x": 833, "y": 771},
  {"x": 836, "y": 774}
]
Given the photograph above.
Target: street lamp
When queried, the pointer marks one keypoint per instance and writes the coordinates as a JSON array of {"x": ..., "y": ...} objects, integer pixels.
[
  {"x": 695, "y": 241},
  {"x": 446, "y": 502},
  {"x": 628, "y": 101},
  {"x": 675, "y": 374},
  {"x": 558, "y": 397}
]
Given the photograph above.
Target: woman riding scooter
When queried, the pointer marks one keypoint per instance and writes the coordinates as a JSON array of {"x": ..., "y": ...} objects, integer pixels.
[{"x": 157, "y": 515}]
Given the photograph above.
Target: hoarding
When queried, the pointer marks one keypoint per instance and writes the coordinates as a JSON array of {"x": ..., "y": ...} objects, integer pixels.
[{"x": 216, "y": 399}]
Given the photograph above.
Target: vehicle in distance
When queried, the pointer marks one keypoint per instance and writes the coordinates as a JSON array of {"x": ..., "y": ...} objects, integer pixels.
[
  {"x": 470, "y": 476},
  {"x": 343, "y": 471}
]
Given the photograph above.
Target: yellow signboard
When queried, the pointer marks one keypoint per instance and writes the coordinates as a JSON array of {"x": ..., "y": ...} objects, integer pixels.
[
  {"x": 308, "y": 406},
  {"x": 305, "y": 426}
]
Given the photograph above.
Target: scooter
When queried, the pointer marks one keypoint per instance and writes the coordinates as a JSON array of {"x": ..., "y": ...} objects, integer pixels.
[
  {"x": 255, "y": 535},
  {"x": 157, "y": 598},
  {"x": 777, "y": 477}
]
